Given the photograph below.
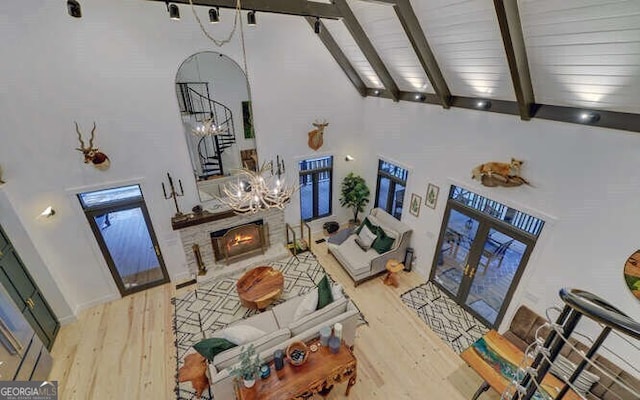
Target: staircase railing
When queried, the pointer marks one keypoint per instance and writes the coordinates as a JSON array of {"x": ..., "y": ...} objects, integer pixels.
[{"x": 197, "y": 106}]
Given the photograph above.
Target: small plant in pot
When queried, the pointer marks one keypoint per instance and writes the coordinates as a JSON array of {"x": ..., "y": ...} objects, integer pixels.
[
  {"x": 249, "y": 366},
  {"x": 355, "y": 194}
]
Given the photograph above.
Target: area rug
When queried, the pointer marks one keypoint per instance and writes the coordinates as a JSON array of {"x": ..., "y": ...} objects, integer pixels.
[
  {"x": 456, "y": 327},
  {"x": 215, "y": 304}
]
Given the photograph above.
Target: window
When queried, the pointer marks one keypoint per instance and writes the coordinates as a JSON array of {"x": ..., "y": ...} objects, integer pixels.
[
  {"x": 390, "y": 188},
  {"x": 315, "y": 187}
]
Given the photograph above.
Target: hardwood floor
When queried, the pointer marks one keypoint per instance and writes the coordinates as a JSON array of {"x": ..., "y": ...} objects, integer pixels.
[{"x": 124, "y": 349}]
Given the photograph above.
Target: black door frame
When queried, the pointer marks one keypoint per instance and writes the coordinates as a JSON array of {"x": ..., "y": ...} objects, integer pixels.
[
  {"x": 122, "y": 205},
  {"x": 486, "y": 223}
]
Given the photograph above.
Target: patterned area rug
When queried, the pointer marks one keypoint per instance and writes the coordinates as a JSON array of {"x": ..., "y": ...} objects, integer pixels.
[
  {"x": 455, "y": 326},
  {"x": 215, "y": 304}
]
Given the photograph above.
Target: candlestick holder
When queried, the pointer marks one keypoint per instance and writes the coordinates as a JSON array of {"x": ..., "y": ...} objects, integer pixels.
[{"x": 173, "y": 193}]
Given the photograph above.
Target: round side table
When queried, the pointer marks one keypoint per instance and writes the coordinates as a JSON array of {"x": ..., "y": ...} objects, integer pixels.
[{"x": 393, "y": 266}]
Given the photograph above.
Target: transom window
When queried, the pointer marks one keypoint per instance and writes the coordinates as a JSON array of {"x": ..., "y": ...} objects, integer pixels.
[
  {"x": 316, "y": 176},
  {"x": 390, "y": 187},
  {"x": 523, "y": 221}
]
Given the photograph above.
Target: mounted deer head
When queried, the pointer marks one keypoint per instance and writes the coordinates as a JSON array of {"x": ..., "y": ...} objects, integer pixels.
[
  {"x": 316, "y": 136},
  {"x": 91, "y": 154}
]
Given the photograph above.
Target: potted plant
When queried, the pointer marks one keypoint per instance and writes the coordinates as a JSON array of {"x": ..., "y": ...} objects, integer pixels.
[
  {"x": 355, "y": 194},
  {"x": 249, "y": 366}
]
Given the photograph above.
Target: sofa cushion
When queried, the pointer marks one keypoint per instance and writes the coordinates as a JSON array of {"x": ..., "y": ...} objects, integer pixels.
[
  {"x": 211, "y": 347},
  {"x": 318, "y": 316},
  {"x": 242, "y": 334},
  {"x": 307, "y": 305},
  {"x": 265, "y": 321},
  {"x": 231, "y": 356},
  {"x": 367, "y": 236},
  {"x": 324, "y": 293},
  {"x": 383, "y": 242},
  {"x": 283, "y": 312}
]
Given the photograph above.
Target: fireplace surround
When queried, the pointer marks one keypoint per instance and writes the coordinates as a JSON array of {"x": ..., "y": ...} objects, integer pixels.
[
  {"x": 239, "y": 241},
  {"x": 196, "y": 232}
]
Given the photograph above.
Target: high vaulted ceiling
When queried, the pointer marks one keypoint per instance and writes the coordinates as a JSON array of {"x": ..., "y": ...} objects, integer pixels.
[{"x": 567, "y": 60}]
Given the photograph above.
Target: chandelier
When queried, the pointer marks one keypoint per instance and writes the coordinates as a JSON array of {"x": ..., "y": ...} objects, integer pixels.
[
  {"x": 208, "y": 127},
  {"x": 253, "y": 191}
]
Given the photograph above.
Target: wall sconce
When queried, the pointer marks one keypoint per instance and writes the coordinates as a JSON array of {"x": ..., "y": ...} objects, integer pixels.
[
  {"x": 214, "y": 15},
  {"x": 48, "y": 212},
  {"x": 483, "y": 105},
  {"x": 73, "y": 8},
  {"x": 251, "y": 18},
  {"x": 349, "y": 157},
  {"x": 589, "y": 117},
  {"x": 317, "y": 26},
  {"x": 174, "y": 11}
]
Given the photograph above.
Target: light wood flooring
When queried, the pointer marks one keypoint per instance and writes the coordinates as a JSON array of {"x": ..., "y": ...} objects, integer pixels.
[{"x": 124, "y": 349}]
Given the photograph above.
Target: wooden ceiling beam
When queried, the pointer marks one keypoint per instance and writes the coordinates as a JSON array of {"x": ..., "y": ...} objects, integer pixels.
[
  {"x": 513, "y": 40},
  {"x": 298, "y": 7},
  {"x": 415, "y": 34},
  {"x": 339, "y": 56},
  {"x": 367, "y": 48}
]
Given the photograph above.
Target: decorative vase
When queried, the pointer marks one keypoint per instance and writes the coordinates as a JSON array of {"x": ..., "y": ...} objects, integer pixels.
[
  {"x": 334, "y": 344},
  {"x": 248, "y": 383}
]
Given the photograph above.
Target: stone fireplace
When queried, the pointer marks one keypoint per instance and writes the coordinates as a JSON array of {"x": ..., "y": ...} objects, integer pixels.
[
  {"x": 201, "y": 230},
  {"x": 239, "y": 241}
]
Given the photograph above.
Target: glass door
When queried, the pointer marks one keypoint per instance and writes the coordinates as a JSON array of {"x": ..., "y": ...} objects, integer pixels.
[
  {"x": 451, "y": 266},
  {"x": 122, "y": 227},
  {"x": 479, "y": 262}
]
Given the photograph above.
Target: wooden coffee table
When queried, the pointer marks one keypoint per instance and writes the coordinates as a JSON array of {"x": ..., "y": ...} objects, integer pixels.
[
  {"x": 318, "y": 374},
  {"x": 259, "y": 287}
]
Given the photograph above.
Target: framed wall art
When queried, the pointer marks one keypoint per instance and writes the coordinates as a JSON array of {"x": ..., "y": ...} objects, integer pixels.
[
  {"x": 414, "y": 206},
  {"x": 432, "y": 196}
]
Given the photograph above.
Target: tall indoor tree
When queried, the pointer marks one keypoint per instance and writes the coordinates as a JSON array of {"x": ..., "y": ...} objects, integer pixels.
[{"x": 355, "y": 194}]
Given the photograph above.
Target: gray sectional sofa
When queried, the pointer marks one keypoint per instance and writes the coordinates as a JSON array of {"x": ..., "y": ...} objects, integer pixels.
[
  {"x": 281, "y": 330},
  {"x": 362, "y": 265}
]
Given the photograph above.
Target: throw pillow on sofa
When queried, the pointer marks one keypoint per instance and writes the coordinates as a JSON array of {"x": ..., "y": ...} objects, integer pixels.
[
  {"x": 241, "y": 334},
  {"x": 211, "y": 347},
  {"x": 367, "y": 222},
  {"x": 366, "y": 236},
  {"x": 336, "y": 291},
  {"x": 307, "y": 305},
  {"x": 383, "y": 242},
  {"x": 324, "y": 293}
]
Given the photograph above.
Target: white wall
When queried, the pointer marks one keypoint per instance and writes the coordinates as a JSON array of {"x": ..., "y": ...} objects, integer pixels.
[
  {"x": 584, "y": 183},
  {"x": 117, "y": 66}
]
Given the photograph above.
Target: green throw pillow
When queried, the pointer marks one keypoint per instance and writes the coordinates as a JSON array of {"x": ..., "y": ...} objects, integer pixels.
[
  {"x": 324, "y": 293},
  {"x": 383, "y": 243},
  {"x": 369, "y": 225},
  {"x": 211, "y": 347}
]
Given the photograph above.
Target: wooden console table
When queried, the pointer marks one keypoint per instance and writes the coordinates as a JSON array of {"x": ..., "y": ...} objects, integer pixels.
[
  {"x": 492, "y": 356},
  {"x": 318, "y": 374}
]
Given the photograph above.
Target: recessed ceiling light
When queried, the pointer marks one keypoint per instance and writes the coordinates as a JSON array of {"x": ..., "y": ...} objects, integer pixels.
[
  {"x": 483, "y": 104},
  {"x": 588, "y": 117},
  {"x": 420, "y": 97},
  {"x": 376, "y": 92}
]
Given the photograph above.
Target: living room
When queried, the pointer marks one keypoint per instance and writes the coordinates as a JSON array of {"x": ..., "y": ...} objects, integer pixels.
[{"x": 117, "y": 66}]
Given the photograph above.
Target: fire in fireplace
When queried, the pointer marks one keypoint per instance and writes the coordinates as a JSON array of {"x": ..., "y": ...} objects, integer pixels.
[{"x": 240, "y": 241}]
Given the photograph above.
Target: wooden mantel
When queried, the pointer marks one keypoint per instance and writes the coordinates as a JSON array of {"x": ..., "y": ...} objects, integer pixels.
[{"x": 193, "y": 219}]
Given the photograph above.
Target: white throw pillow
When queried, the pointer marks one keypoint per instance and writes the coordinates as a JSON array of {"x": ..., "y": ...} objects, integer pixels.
[
  {"x": 336, "y": 291},
  {"x": 307, "y": 305},
  {"x": 242, "y": 334},
  {"x": 366, "y": 236}
]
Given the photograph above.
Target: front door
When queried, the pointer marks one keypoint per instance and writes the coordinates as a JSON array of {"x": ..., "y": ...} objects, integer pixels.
[
  {"x": 122, "y": 227},
  {"x": 480, "y": 260}
]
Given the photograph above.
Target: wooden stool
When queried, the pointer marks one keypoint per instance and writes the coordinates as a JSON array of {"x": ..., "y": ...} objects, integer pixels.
[{"x": 392, "y": 266}]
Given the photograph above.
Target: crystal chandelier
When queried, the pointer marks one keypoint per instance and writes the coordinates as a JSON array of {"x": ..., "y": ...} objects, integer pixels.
[{"x": 253, "y": 191}]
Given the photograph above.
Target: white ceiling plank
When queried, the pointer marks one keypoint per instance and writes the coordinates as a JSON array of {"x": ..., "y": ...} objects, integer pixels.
[
  {"x": 353, "y": 53},
  {"x": 465, "y": 39},
  {"x": 584, "y": 53},
  {"x": 385, "y": 31}
]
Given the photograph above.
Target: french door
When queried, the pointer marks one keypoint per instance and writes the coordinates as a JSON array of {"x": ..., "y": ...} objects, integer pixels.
[
  {"x": 479, "y": 261},
  {"x": 122, "y": 227}
]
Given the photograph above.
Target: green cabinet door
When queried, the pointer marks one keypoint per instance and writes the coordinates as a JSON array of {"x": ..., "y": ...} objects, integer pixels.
[{"x": 25, "y": 293}]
